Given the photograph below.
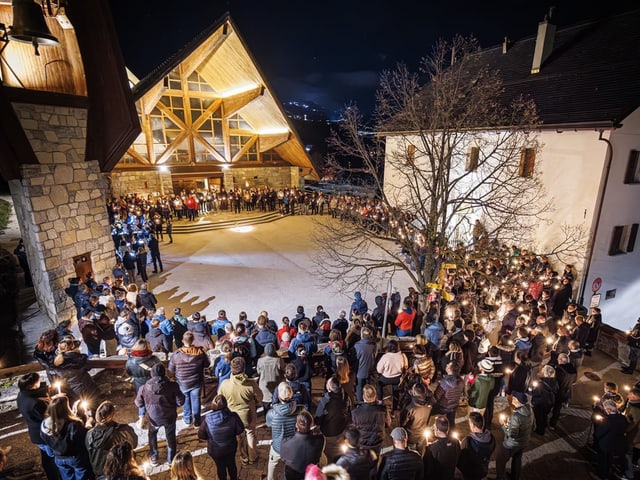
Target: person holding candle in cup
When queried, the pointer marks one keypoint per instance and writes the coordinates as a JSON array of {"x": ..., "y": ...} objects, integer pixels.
[{"x": 517, "y": 432}]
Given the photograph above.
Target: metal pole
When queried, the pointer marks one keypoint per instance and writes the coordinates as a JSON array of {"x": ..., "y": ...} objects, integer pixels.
[{"x": 386, "y": 309}]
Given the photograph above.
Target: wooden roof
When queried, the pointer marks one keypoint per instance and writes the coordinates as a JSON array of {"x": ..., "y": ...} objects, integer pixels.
[{"x": 220, "y": 56}]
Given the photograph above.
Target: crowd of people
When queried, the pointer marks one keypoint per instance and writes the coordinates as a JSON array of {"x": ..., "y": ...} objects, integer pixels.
[{"x": 514, "y": 345}]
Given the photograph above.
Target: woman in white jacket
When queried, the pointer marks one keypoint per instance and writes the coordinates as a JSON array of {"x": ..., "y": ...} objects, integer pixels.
[{"x": 391, "y": 366}]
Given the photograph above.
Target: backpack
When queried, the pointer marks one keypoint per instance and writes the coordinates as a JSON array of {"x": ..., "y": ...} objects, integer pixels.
[{"x": 241, "y": 348}]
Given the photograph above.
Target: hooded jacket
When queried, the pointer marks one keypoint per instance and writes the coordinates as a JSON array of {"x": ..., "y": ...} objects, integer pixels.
[
  {"x": 517, "y": 430},
  {"x": 158, "y": 340},
  {"x": 161, "y": 397},
  {"x": 139, "y": 366},
  {"x": 358, "y": 304},
  {"x": 70, "y": 440},
  {"x": 220, "y": 429},
  {"x": 401, "y": 463},
  {"x": 242, "y": 395},
  {"x": 434, "y": 333},
  {"x": 479, "y": 390},
  {"x": 188, "y": 364},
  {"x": 102, "y": 437},
  {"x": 271, "y": 369},
  {"x": 414, "y": 418},
  {"x": 360, "y": 463},
  {"x": 448, "y": 392},
  {"x": 77, "y": 381},
  {"x": 476, "y": 450},
  {"x": 370, "y": 419},
  {"x": 32, "y": 405},
  {"x": 281, "y": 418},
  {"x": 300, "y": 450},
  {"x": 332, "y": 413}
]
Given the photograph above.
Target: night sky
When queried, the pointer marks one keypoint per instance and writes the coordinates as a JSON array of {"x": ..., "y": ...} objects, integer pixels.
[{"x": 332, "y": 52}]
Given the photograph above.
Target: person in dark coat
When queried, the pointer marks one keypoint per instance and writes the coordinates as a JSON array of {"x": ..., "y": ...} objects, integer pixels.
[
  {"x": 21, "y": 253},
  {"x": 188, "y": 364},
  {"x": 220, "y": 429},
  {"x": 141, "y": 263},
  {"x": 106, "y": 434},
  {"x": 566, "y": 376},
  {"x": 161, "y": 397},
  {"x": 365, "y": 350},
  {"x": 157, "y": 340},
  {"x": 441, "y": 456},
  {"x": 341, "y": 323},
  {"x": 401, "y": 463},
  {"x": 65, "y": 434},
  {"x": 332, "y": 416},
  {"x": 415, "y": 416},
  {"x": 476, "y": 449},
  {"x": 359, "y": 305},
  {"x": 448, "y": 393},
  {"x": 371, "y": 419},
  {"x": 70, "y": 367},
  {"x": 45, "y": 351},
  {"x": 32, "y": 404},
  {"x": 154, "y": 250},
  {"x": 594, "y": 320},
  {"x": 139, "y": 363},
  {"x": 609, "y": 435},
  {"x": 360, "y": 463},
  {"x": 303, "y": 448}
]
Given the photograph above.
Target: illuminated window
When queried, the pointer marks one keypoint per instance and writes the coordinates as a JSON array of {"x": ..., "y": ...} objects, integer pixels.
[
  {"x": 236, "y": 122},
  {"x": 623, "y": 239},
  {"x": 472, "y": 159},
  {"x": 411, "y": 154},
  {"x": 527, "y": 162},
  {"x": 632, "y": 175},
  {"x": 195, "y": 83}
]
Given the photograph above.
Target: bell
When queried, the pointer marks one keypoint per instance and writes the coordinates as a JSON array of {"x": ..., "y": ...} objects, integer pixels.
[{"x": 29, "y": 25}]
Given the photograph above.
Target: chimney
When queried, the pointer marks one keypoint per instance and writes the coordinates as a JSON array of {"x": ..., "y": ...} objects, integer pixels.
[{"x": 544, "y": 42}]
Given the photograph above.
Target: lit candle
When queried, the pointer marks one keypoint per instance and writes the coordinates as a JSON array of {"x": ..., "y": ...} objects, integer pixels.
[
  {"x": 596, "y": 398},
  {"x": 598, "y": 418},
  {"x": 627, "y": 388},
  {"x": 455, "y": 435},
  {"x": 503, "y": 418},
  {"x": 427, "y": 433},
  {"x": 549, "y": 340},
  {"x": 508, "y": 371},
  {"x": 344, "y": 448},
  {"x": 534, "y": 384},
  {"x": 84, "y": 405},
  {"x": 58, "y": 385}
]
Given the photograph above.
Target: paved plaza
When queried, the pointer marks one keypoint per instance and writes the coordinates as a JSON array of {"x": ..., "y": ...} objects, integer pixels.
[{"x": 270, "y": 266}]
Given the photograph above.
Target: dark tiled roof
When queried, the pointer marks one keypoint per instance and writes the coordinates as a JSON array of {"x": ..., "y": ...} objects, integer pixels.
[{"x": 591, "y": 77}]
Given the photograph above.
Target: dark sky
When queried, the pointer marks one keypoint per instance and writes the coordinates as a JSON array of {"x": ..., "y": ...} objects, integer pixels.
[{"x": 331, "y": 52}]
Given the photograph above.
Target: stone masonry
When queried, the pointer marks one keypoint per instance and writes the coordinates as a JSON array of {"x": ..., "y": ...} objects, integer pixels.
[{"x": 60, "y": 205}]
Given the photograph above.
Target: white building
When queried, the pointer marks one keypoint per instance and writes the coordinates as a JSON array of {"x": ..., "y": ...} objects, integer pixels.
[{"x": 585, "y": 80}]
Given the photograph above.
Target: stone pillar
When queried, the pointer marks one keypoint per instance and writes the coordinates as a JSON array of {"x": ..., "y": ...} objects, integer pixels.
[
  {"x": 61, "y": 205},
  {"x": 227, "y": 179}
]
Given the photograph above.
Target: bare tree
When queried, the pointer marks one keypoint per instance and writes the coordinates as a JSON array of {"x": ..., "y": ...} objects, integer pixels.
[{"x": 448, "y": 151}]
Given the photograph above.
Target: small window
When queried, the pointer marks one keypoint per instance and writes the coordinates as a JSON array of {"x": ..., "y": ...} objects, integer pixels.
[
  {"x": 623, "y": 239},
  {"x": 472, "y": 159},
  {"x": 527, "y": 162},
  {"x": 411, "y": 154},
  {"x": 632, "y": 174}
]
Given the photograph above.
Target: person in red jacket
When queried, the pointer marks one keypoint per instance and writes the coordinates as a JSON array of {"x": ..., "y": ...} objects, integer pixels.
[{"x": 404, "y": 320}]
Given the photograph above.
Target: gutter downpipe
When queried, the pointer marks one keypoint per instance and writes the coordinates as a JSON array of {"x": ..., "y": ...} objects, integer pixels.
[{"x": 598, "y": 215}]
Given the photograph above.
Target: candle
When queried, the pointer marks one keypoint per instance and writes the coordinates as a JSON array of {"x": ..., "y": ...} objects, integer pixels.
[
  {"x": 84, "y": 405},
  {"x": 627, "y": 388},
  {"x": 503, "y": 418},
  {"x": 596, "y": 398},
  {"x": 455, "y": 435},
  {"x": 58, "y": 385},
  {"x": 598, "y": 418},
  {"x": 344, "y": 448},
  {"x": 427, "y": 433},
  {"x": 549, "y": 340},
  {"x": 508, "y": 371}
]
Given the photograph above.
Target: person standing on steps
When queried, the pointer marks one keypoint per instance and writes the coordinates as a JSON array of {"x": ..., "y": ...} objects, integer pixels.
[{"x": 169, "y": 230}]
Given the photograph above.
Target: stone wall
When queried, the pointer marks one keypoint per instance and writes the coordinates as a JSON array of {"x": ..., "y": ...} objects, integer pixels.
[
  {"x": 275, "y": 177},
  {"x": 142, "y": 182},
  {"x": 60, "y": 204}
]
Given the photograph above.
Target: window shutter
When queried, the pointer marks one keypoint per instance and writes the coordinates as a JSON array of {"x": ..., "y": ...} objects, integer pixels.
[
  {"x": 632, "y": 237},
  {"x": 631, "y": 175}
]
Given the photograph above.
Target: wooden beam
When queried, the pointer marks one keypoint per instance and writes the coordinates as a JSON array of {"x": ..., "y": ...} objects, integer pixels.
[
  {"x": 267, "y": 142},
  {"x": 151, "y": 98},
  {"x": 207, "y": 145},
  {"x": 205, "y": 51},
  {"x": 206, "y": 114},
  {"x": 236, "y": 102},
  {"x": 245, "y": 148},
  {"x": 132, "y": 151},
  {"x": 171, "y": 148}
]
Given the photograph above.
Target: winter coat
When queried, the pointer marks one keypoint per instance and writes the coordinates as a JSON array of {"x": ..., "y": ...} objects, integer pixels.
[
  {"x": 270, "y": 370},
  {"x": 32, "y": 405},
  {"x": 158, "y": 341},
  {"x": 242, "y": 395},
  {"x": 609, "y": 434},
  {"x": 475, "y": 453},
  {"x": 70, "y": 440},
  {"x": 566, "y": 376},
  {"x": 632, "y": 414},
  {"x": 404, "y": 320},
  {"x": 299, "y": 451},
  {"x": 217, "y": 327},
  {"x": 301, "y": 394},
  {"x": 448, "y": 392},
  {"x": 77, "y": 382},
  {"x": 333, "y": 413},
  {"x": 517, "y": 430},
  {"x": 434, "y": 333},
  {"x": 202, "y": 339},
  {"x": 148, "y": 300},
  {"x": 441, "y": 458},
  {"x": 188, "y": 364},
  {"x": 220, "y": 429},
  {"x": 305, "y": 339},
  {"x": 366, "y": 353},
  {"x": 101, "y": 438},
  {"x": 425, "y": 368},
  {"x": 281, "y": 418},
  {"x": 414, "y": 419},
  {"x": 139, "y": 367},
  {"x": 264, "y": 337},
  {"x": 401, "y": 464},
  {"x": 544, "y": 394},
  {"x": 370, "y": 419},
  {"x": 161, "y": 397},
  {"x": 392, "y": 365},
  {"x": 479, "y": 391},
  {"x": 358, "y": 304},
  {"x": 341, "y": 324},
  {"x": 360, "y": 463},
  {"x": 127, "y": 332}
]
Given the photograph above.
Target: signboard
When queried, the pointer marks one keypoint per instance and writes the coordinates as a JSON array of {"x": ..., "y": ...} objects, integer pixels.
[
  {"x": 595, "y": 300},
  {"x": 597, "y": 283}
]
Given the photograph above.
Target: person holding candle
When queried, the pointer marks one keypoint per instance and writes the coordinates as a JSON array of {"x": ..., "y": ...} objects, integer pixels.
[
  {"x": 609, "y": 437},
  {"x": 70, "y": 366},
  {"x": 517, "y": 432},
  {"x": 476, "y": 449},
  {"x": 441, "y": 456},
  {"x": 401, "y": 463},
  {"x": 360, "y": 463}
]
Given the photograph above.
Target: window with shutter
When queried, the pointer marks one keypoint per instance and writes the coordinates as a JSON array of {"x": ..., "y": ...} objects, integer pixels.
[
  {"x": 632, "y": 175},
  {"x": 472, "y": 159},
  {"x": 527, "y": 162}
]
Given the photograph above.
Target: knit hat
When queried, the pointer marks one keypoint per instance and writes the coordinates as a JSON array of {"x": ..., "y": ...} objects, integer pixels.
[
  {"x": 237, "y": 365},
  {"x": 177, "y": 311},
  {"x": 196, "y": 315},
  {"x": 486, "y": 365}
]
